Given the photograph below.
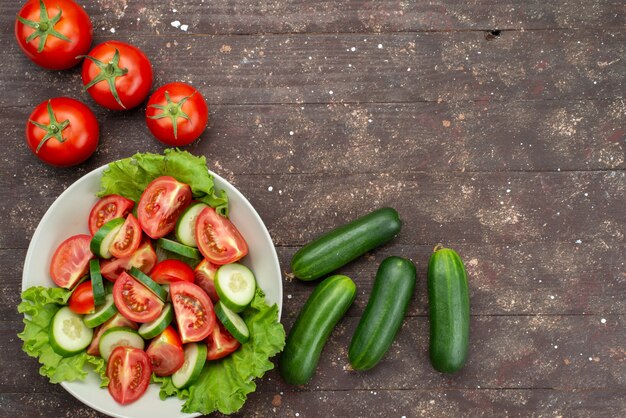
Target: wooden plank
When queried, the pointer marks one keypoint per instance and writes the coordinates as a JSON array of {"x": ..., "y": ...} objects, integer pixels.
[
  {"x": 407, "y": 67},
  {"x": 220, "y": 17},
  {"x": 457, "y": 208},
  {"x": 523, "y": 279},
  {"x": 434, "y": 137},
  {"x": 506, "y": 352},
  {"x": 407, "y": 403}
]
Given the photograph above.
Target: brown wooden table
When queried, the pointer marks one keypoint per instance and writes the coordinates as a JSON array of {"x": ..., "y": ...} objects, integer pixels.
[{"x": 496, "y": 127}]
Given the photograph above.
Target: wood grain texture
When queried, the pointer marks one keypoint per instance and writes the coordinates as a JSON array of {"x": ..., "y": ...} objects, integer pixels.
[
  {"x": 508, "y": 148},
  {"x": 347, "y": 68}
]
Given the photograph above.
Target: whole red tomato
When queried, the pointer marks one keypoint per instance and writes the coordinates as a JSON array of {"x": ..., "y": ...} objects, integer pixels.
[
  {"x": 62, "y": 132},
  {"x": 117, "y": 75},
  {"x": 177, "y": 114},
  {"x": 53, "y": 33}
]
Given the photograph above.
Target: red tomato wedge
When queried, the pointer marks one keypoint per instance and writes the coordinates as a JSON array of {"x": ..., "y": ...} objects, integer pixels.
[
  {"x": 81, "y": 300},
  {"x": 129, "y": 372},
  {"x": 161, "y": 204},
  {"x": 205, "y": 278},
  {"x": 127, "y": 239},
  {"x": 218, "y": 239},
  {"x": 70, "y": 261},
  {"x": 134, "y": 300},
  {"x": 144, "y": 259},
  {"x": 220, "y": 343},
  {"x": 117, "y": 320},
  {"x": 168, "y": 271},
  {"x": 166, "y": 353},
  {"x": 194, "y": 311},
  {"x": 107, "y": 208}
]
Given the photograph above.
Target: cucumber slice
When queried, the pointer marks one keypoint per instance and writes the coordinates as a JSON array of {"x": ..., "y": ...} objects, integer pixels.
[
  {"x": 235, "y": 285},
  {"x": 165, "y": 255},
  {"x": 96, "y": 282},
  {"x": 68, "y": 334},
  {"x": 104, "y": 237},
  {"x": 178, "y": 248},
  {"x": 195, "y": 357},
  {"x": 119, "y": 337},
  {"x": 151, "y": 329},
  {"x": 185, "y": 230},
  {"x": 232, "y": 322},
  {"x": 102, "y": 313},
  {"x": 153, "y": 286}
]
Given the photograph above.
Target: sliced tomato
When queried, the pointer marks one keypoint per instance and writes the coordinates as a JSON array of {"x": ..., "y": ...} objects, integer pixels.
[
  {"x": 171, "y": 270},
  {"x": 220, "y": 343},
  {"x": 70, "y": 261},
  {"x": 127, "y": 239},
  {"x": 161, "y": 204},
  {"x": 81, "y": 300},
  {"x": 194, "y": 311},
  {"x": 109, "y": 207},
  {"x": 118, "y": 320},
  {"x": 218, "y": 239},
  {"x": 134, "y": 300},
  {"x": 145, "y": 258},
  {"x": 129, "y": 372},
  {"x": 205, "y": 278},
  {"x": 166, "y": 353}
]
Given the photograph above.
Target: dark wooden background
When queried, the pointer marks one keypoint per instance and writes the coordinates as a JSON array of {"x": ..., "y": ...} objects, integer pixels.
[{"x": 507, "y": 146}]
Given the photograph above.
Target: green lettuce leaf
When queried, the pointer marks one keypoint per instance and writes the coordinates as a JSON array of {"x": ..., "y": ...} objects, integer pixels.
[
  {"x": 40, "y": 304},
  {"x": 225, "y": 384},
  {"x": 130, "y": 176}
]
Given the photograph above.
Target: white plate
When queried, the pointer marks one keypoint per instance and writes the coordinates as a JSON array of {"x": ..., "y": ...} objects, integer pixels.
[{"x": 68, "y": 215}]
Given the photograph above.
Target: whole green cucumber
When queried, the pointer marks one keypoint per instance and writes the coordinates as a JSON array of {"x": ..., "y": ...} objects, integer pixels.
[
  {"x": 327, "y": 304},
  {"x": 449, "y": 310},
  {"x": 382, "y": 318},
  {"x": 345, "y": 243}
]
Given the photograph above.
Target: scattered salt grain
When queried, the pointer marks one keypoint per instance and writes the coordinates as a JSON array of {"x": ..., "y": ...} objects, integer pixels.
[
  {"x": 112, "y": 30},
  {"x": 552, "y": 297},
  {"x": 291, "y": 133},
  {"x": 269, "y": 189},
  {"x": 288, "y": 296},
  {"x": 353, "y": 49},
  {"x": 579, "y": 241},
  {"x": 184, "y": 27},
  {"x": 603, "y": 321},
  {"x": 176, "y": 24},
  {"x": 380, "y": 46},
  {"x": 330, "y": 92}
]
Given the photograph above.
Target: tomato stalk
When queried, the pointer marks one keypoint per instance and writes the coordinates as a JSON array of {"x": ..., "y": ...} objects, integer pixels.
[
  {"x": 172, "y": 110},
  {"x": 109, "y": 73},
  {"x": 44, "y": 27},
  {"x": 54, "y": 128}
]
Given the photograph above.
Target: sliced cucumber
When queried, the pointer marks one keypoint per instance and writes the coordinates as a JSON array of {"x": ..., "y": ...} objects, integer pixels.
[
  {"x": 96, "y": 282},
  {"x": 195, "y": 357},
  {"x": 151, "y": 329},
  {"x": 186, "y": 225},
  {"x": 235, "y": 285},
  {"x": 104, "y": 237},
  {"x": 163, "y": 254},
  {"x": 68, "y": 334},
  {"x": 178, "y": 248},
  {"x": 119, "y": 337},
  {"x": 149, "y": 283},
  {"x": 102, "y": 314},
  {"x": 232, "y": 322}
]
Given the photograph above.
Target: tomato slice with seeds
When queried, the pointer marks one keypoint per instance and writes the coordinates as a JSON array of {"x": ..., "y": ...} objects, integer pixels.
[
  {"x": 205, "y": 278},
  {"x": 70, "y": 261},
  {"x": 109, "y": 207},
  {"x": 220, "y": 343},
  {"x": 171, "y": 270},
  {"x": 194, "y": 311},
  {"x": 166, "y": 353},
  {"x": 129, "y": 371},
  {"x": 218, "y": 239},
  {"x": 134, "y": 300},
  {"x": 127, "y": 239},
  {"x": 161, "y": 204},
  {"x": 144, "y": 259}
]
